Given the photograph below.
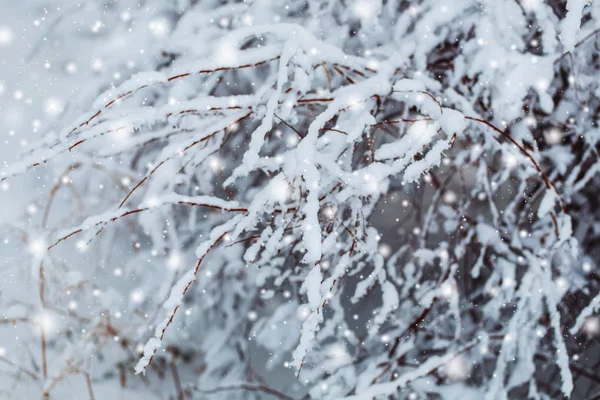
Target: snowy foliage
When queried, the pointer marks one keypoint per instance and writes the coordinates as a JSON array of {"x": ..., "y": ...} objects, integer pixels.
[{"x": 317, "y": 199}]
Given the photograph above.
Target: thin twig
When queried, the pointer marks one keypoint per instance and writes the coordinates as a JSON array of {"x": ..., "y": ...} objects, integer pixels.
[
  {"x": 88, "y": 381},
  {"x": 21, "y": 369},
  {"x": 41, "y": 323},
  {"x": 582, "y": 41},
  {"x": 290, "y": 126},
  {"x": 177, "y": 381}
]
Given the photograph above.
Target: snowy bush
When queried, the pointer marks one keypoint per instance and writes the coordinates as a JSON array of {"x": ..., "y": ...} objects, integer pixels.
[{"x": 317, "y": 199}]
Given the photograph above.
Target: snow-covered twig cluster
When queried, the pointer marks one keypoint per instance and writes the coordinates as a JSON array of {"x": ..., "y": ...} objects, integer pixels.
[{"x": 380, "y": 198}]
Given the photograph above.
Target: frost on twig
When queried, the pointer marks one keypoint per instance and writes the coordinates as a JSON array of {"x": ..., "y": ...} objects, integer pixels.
[{"x": 378, "y": 198}]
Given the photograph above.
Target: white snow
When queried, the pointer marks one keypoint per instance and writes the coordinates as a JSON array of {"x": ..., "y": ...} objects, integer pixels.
[{"x": 570, "y": 26}]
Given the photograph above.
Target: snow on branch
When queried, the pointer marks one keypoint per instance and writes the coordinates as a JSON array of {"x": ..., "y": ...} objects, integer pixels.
[{"x": 379, "y": 198}]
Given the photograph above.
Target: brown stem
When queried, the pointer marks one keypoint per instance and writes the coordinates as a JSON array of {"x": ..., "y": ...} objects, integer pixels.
[
  {"x": 88, "y": 381},
  {"x": 42, "y": 327},
  {"x": 21, "y": 369},
  {"x": 547, "y": 181},
  {"x": 177, "y": 381}
]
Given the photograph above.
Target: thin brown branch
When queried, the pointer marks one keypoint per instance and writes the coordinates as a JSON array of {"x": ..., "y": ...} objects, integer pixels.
[
  {"x": 198, "y": 264},
  {"x": 141, "y": 182},
  {"x": 290, "y": 126},
  {"x": 88, "y": 381},
  {"x": 547, "y": 181},
  {"x": 21, "y": 369},
  {"x": 582, "y": 41},
  {"x": 42, "y": 285},
  {"x": 139, "y": 210},
  {"x": 177, "y": 381}
]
